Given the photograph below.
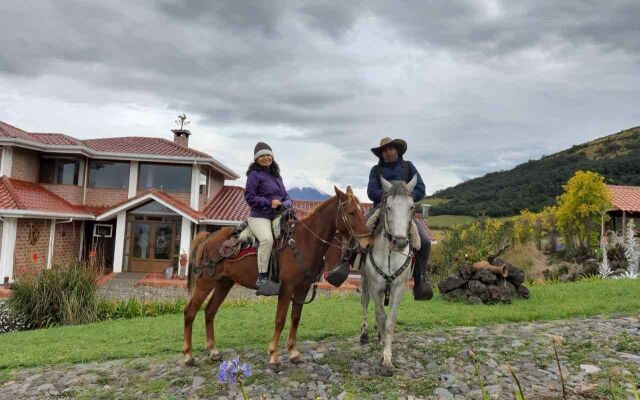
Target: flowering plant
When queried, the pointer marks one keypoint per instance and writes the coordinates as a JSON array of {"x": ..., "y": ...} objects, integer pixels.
[{"x": 232, "y": 372}]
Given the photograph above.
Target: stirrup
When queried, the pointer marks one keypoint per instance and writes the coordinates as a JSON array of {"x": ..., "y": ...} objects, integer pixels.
[
  {"x": 267, "y": 288},
  {"x": 339, "y": 274}
]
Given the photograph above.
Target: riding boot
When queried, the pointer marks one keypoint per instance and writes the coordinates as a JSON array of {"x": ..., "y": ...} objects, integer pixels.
[
  {"x": 421, "y": 284},
  {"x": 267, "y": 287}
]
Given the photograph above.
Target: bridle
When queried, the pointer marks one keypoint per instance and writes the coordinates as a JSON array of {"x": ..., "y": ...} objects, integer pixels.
[
  {"x": 385, "y": 224},
  {"x": 342, "y": 214}
]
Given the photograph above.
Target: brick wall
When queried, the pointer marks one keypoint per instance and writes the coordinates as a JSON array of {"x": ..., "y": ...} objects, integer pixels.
[
  {"x": 71, "y": 193},
  {"x": 32, "y": 246},
  {"x": 67, "y": 243},
  {"x": 183, "y": 197},
  {"x": 25, "y": 165},
  {"x": 105, "y": 197},
  {"x": 216, "y": 181}
]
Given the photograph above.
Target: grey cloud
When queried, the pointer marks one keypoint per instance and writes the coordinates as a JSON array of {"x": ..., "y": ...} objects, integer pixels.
[{"x": 273, "y": 64}]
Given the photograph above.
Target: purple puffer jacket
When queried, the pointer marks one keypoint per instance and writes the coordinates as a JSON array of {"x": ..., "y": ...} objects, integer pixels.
[{"x": 262, "y": 187}]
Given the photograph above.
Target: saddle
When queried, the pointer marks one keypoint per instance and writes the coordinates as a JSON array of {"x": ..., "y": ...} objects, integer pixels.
[{"x": 240, "y": 243}]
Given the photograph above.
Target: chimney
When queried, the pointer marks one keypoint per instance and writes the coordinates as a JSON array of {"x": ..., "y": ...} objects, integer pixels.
[
  {"x": 425, "y": 211},
  {"x": 181, "y": 137}
]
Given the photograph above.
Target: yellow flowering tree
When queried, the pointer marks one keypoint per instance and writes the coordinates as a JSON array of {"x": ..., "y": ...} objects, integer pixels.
[{"x": 580, "y": 210}]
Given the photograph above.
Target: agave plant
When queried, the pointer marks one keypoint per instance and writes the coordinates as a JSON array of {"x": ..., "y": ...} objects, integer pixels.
[
  {"x": 604, "y": 269},
  {"x": 631, "y": 251}
]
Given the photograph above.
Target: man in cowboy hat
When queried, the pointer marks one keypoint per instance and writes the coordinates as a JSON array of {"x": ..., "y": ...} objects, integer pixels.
[{"x": 393, "y": 167}]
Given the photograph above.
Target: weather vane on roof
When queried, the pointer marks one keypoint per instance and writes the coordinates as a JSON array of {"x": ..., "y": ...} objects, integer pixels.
[{"x": 181, "y": 121}]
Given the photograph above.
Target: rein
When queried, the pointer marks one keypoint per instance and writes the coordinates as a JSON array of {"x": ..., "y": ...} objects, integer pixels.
[{"x": 298, "y": 256}]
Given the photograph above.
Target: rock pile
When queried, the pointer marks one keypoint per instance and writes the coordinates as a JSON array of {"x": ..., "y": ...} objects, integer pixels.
[{"x": 486, "y": 283}]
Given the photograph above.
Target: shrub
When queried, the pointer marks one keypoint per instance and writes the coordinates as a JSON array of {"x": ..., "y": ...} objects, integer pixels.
[
  {"x": 477, "y": 241},
  {"x": 10, "y": 321},
  {"x": 60, "y": 296}
]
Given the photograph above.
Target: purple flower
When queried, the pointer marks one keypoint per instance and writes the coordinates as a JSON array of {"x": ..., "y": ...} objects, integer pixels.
[{"x": 232, "y": 371}]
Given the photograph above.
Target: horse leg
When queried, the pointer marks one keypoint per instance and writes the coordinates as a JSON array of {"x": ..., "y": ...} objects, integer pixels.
[
  {"x": 197, "y": 298},
  {"x": 381, "y": 316},
  {"x": 221, "y": 291},
  {"x": 296, "y": 312},
  {"x": 364, "y": 300},
  {"x": 284, "y": 298},
  {"x": 389, "y": 329}
]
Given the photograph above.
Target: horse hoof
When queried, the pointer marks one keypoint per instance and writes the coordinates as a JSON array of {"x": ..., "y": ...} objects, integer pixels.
[
  {"x": 296, "y": 359},
  {"x": 364, "y": 339},
  {"x": 386, "y": 371},
  {"x": 274, "y": 366},
  {"x": 190, "y": 362},
  {"x": 215, "y": 356}
]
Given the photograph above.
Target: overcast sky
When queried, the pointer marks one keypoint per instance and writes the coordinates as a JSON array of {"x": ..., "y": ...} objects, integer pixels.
[{"x": 473, "y": 86}]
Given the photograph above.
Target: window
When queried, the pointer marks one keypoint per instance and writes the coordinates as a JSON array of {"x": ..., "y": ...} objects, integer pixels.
[
  {"x": 170, "y": 178},
  {"x": 204, "y": 178},
  {"x": 61, "y": 170},
  {"x": 108, "y": 174}
]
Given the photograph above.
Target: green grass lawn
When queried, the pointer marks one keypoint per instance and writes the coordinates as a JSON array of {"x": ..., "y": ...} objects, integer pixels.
[
  {"x": 250, "y": 325},
  {"x": 449, "y": 221}
]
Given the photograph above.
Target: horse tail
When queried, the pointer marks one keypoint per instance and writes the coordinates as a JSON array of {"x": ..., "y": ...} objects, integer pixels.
[{"x": 193, "y": 254}]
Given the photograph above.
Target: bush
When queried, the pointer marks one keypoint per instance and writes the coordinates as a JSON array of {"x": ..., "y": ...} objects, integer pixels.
[
  {"x": 477, "y": 241},
  {"x": 59, "y": 296},
  {"x": 133, "y": 308},
  {"x": 10, "y": 321}
]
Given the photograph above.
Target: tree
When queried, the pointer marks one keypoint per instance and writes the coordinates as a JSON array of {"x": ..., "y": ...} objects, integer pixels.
[{"x": 580, "y": 209}]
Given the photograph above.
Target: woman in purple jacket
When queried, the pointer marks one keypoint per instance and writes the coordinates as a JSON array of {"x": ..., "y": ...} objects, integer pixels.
[{"x": 264, "y": 193}]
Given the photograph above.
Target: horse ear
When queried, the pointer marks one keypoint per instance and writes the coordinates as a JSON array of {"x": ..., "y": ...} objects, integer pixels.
[
  {"x": 349, "y": 190},
  {"x": 340, "y": 195},
  {"x": 412, "y": 183},
  {"x": 386, "y": 185}
]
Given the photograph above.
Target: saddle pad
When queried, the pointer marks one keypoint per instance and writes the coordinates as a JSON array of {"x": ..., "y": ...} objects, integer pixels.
[{"x": 247, "y": 251}]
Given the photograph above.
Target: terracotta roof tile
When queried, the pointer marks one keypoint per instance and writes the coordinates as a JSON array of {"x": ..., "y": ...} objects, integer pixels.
[
  {"x": 119, "y": 145},
  {"x": 142, "y": 145},
  {"x": 625, "y": 198},
  {"x": 228, "y": 205},
  {"x": 20, "y": 195}
]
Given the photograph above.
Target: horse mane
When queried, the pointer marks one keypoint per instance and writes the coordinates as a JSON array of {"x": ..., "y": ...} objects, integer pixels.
[
  {"x": 313, "y": 213},
  {"x": 398, "y": 188},
  {"x": 350, "y": 198}
]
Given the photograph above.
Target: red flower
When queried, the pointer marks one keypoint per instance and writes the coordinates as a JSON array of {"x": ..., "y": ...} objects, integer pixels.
[
  {"x": 34, "y": 257},
  {"x": 92, "y": 253}
]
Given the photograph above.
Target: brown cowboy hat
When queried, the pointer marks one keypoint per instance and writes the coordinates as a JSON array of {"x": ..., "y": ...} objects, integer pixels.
[{"x": 399, "y": 144}]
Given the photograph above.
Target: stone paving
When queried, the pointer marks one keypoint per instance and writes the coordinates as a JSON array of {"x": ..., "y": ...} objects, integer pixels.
[{"x": 600, "y": 359}]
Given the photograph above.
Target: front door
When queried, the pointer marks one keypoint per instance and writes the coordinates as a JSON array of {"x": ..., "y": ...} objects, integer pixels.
[{"x": 153, "y": 245}]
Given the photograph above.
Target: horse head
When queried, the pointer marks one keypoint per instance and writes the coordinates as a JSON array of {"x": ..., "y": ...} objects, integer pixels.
[
  {"x": 397, "y": 211},
  {"x": 350, "y": 221}
]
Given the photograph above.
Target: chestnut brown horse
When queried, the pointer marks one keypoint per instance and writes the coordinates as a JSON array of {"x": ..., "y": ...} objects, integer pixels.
[{"x": 312, "y": 235}]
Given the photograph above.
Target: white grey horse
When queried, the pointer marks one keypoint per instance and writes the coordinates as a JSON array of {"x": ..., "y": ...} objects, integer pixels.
[{"x": 388, "y": 265}]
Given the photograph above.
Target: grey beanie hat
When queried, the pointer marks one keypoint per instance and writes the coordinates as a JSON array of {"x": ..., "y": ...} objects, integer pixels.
[{"x": 262, "y": 149}]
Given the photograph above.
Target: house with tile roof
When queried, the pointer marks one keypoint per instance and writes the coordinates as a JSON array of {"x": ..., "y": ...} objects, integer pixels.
[
  {"x": 133, "y": 203},
  {"x": 625, "y": 202},
  {"x": 129, "y": 204}
]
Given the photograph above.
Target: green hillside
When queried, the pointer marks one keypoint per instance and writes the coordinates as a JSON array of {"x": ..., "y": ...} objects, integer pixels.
[{"x": 536, "y": 183}]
